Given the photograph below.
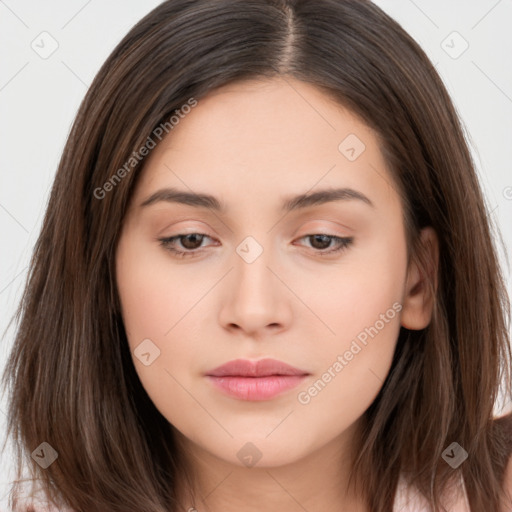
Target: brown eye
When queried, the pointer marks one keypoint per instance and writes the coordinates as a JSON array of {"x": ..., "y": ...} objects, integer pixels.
[
  {"x": 189, "y": 243},
  {"x": 321, "y": 242}
]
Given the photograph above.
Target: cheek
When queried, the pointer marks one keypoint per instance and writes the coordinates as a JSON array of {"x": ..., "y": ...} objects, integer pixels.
[
  {"x": 354, "y": 294},
  {"x": 362, "y": 308},
  {"x": 155, "y": 301},
  {"x": 154, "y": 295},
  {"x": 351, "y": 369}
]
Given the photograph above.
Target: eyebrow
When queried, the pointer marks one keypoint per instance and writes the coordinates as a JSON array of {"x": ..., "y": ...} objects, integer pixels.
[{"x": 173, "y": 195}]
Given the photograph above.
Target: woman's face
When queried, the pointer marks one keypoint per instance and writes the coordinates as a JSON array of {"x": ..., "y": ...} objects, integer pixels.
[{"x": 320, "y": 285}]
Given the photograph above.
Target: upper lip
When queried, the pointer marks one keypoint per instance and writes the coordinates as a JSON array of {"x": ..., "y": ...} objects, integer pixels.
[{"x": 261, "y": 368}]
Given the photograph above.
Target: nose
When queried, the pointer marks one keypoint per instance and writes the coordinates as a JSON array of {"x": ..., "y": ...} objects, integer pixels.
[{"x": 255, "y": 299}]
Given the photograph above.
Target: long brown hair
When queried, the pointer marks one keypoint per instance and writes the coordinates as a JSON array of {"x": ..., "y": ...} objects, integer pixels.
[{"x": 71, "y": 380}]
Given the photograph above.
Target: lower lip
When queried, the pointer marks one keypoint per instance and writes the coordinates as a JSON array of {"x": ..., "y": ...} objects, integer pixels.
[{"x": 256, "y": 388}]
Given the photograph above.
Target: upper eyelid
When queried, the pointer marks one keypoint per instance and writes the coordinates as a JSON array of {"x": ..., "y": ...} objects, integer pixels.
[
  {"x": 316, "y": 230},
  {"x": 309, "y": 234}
]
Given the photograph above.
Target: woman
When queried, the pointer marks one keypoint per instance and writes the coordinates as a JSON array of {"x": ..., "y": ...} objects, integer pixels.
[{"x": 265, "y": 278}]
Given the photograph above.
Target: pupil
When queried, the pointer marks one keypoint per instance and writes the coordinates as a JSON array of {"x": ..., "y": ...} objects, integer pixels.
[
  {"x": 325, "y": 238},
  {"x": 193, "y": 245}
]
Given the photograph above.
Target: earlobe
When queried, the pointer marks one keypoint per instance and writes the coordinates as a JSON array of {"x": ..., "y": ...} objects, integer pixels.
[{"x": 421, "y": 282}]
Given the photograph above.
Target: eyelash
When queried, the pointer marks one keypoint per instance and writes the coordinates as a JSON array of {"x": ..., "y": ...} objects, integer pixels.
[{"x": 344, "y": 243}]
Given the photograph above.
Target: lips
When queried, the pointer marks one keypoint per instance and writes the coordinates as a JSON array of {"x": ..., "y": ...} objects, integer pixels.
[
  {"x": 255, "y": 380},
  {"x": 261, "y": 368}
]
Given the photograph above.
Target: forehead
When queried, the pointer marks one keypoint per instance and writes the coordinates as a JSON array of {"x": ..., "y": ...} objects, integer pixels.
[{"x": 263, "y": 137}]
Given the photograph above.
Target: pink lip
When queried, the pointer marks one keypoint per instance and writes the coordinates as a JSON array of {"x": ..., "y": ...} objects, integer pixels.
[{"x": 255, "y": 380}]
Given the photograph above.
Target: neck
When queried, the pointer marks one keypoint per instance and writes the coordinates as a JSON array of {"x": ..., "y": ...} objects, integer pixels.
[{"x": 318, "y": 481}]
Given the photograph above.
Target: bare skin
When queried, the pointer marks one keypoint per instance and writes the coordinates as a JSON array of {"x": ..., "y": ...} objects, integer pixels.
[{"x": 252, "y": 145}]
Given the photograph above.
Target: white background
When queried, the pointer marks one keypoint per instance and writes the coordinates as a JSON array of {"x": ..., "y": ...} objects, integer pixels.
[{"x": 39, "y": 98}]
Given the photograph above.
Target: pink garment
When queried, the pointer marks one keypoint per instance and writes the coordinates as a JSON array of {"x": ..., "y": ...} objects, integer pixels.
[{"x": 408, "y": 499}]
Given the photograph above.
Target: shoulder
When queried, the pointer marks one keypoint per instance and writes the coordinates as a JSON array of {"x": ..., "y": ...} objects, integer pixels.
[
  {"x": 44, "y": 507},
  {"x": 41, "y": 506},
  {"x": 409, "y": 499},
  {"x": 507, "y": 483},
  {"x": 503, "y": 425},
  {"x": 31, "y": 497}
]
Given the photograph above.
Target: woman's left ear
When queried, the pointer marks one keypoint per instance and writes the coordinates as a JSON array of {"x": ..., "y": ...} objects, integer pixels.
[{"x": 421, "y": 283}]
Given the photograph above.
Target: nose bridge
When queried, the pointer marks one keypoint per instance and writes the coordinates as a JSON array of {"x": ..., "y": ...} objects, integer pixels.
[
  {"x": 250, "y": 249},
  {"x": 254, "y": 300},
  {"x": 252, "y": 275}
]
